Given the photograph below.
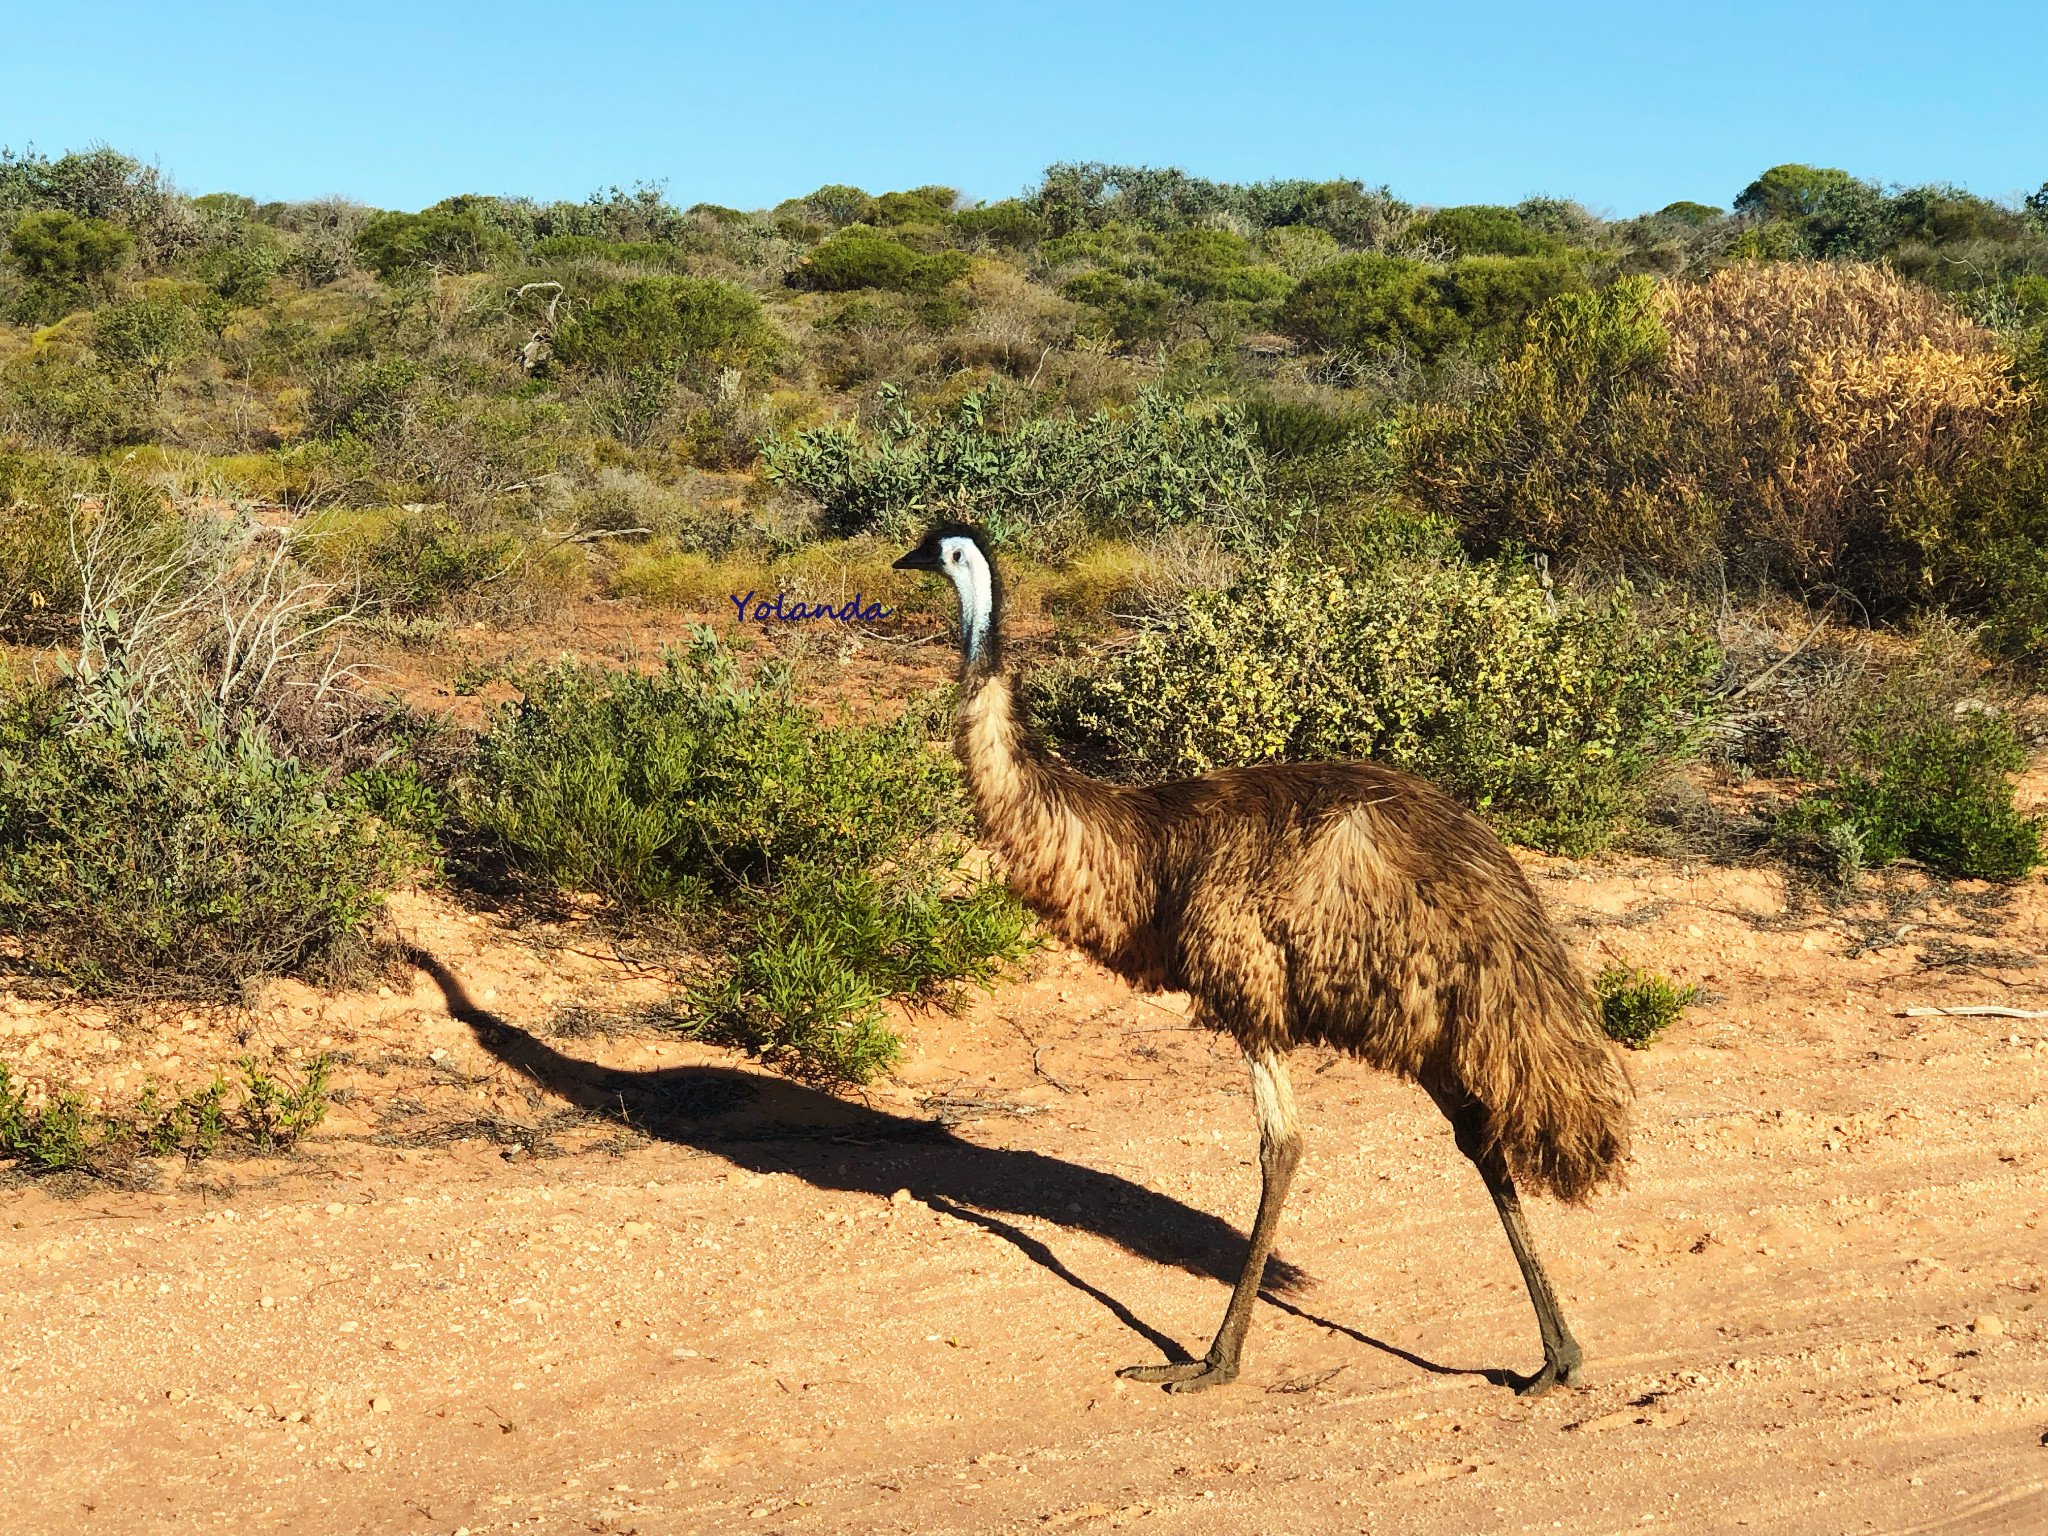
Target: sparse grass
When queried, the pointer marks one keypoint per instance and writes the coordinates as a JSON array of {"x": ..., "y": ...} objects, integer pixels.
[
  {"x": 57, "y": 1130},
  {"x": 1636, "y": 1006}
]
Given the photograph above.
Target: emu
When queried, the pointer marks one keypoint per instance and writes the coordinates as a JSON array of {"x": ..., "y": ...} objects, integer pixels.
[{"x": 1339, "y": 904}]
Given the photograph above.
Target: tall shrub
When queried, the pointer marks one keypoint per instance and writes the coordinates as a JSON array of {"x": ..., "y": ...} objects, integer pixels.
[{"x": 1547, "y": 716}]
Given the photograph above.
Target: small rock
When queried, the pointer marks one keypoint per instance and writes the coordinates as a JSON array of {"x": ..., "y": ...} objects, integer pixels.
[
  {"x": 901, "y": 1197},
  {"x": 348, "y": 1328},
  {"x": 267, "y": 1302},
  {"x": 335, "y": 1208},
  {"x": 1988, "y": 1325},
  {"x": 636, "y": 1229},
  {"x": 380, "y": 1405}
]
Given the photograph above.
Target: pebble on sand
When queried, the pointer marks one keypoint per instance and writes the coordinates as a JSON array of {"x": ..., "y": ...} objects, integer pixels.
[{"x": 1988, "y": 1325}]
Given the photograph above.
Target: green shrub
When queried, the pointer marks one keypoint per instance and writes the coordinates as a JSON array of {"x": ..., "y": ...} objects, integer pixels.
[
  {"x": 670, "y": 326},
  {"x": 1009, "y": 224},
  {"x": 63, "y": 1132},
  {"x": 1479, "y": 229},
  {"x": 393, "y": 244},
  {"x": 1829, "y": 213},
  {"x": 53, "y": 246},
  {"x": 864, "y": 258},
  {"x": 814, "y": 962},
  {"x": 1578, "y": 450},
  {"x": 1370, "y": 302},
  {"x": 140, "y": 852},
  {"x": 1941, "y": 794},
  {"x": 1044, "y": 485},
  {"x": 1126, "y": 309},
  {"x": 1547, "y": 716},
  {"x": 1364, "y": 302},
  {"x": 1293, "y": 429},
  {"x": 921, "y": 205},
  {"x": 832, "y": 854},
  {"x": 148, "y": 337},
  {"x": 1636, "y": 1006}
]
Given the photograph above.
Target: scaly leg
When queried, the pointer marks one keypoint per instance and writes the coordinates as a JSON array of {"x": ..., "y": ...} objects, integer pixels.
[
  {"x": 1561, "y": 1353},
  {"x": 1279, "y": 1151}
]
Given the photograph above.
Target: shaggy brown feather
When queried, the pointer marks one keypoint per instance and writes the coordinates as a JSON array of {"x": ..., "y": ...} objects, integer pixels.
[{"x": 1339, "y": 904}]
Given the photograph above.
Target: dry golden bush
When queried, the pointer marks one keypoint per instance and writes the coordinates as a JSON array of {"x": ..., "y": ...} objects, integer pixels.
[{"x": 1828, "y": 395}]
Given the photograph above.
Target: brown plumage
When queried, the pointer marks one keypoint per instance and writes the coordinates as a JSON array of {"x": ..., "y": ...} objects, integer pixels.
[{"x": 1338, "y": 904}]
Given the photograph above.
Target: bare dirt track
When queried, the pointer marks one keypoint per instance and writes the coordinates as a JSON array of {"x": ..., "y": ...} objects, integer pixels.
[{"x": 689, "y": 1303}]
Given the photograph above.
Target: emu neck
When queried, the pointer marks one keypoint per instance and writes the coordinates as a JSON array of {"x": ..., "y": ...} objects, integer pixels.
[{"x": 1070, "y": 847}]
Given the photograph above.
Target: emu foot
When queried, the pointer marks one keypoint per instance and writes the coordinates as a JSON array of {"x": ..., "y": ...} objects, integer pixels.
[
  {"x": 1184, "y": 1375},
  {"x": 1566, "y": 1370}
]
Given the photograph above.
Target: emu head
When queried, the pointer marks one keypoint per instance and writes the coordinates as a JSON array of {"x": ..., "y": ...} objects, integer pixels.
[{"x": 959, "y": 552}]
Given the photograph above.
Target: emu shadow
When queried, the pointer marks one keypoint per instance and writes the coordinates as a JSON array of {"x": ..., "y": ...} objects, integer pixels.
[{"x": 774, "y": 1125}]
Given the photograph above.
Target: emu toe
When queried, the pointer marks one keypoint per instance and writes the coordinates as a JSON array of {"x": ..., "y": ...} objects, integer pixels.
[
  {"x": 1553, "y": 1372},
  {"x": 1183, "y": 1375}
]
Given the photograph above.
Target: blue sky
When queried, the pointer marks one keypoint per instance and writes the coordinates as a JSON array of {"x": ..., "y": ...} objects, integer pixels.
[{"x": 1625, "y": 107}]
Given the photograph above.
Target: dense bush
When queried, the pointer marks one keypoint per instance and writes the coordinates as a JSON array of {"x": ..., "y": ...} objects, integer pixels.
[
  {"x": 392, "y": 244},
  {"x": 1942, "y": 795},
  {"x": 144, "y": 851},
  {"x": 1805, "y": 422},
  {"x": 674, "y": 326},
  {"x": 56, "y": 247},
  {"x": 1577, "y": 449},
  {"x": 146, "y": 337},
  {"x": 833, "y": 852},
  {"x": 1043, "y": 485},
  {"x": 1546, "y": 716},
  {"x": 1370, "y": 302},
  {"x": 1009, "y": 224},
  {"x": 863, "y": 258},
  {"x": 1479, "y": 229}
]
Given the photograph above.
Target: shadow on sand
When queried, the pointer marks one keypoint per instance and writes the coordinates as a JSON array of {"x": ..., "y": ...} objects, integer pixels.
[{"x": 773, "y": 1125}]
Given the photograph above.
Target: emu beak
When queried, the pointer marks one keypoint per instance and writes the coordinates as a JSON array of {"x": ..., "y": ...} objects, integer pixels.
[{"x": 919, "y": 559}]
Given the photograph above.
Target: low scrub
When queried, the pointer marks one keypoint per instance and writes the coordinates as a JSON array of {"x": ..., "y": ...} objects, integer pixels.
[
  {"x": 1043, "y": 486},
  {"x": 144, "y": 853},
  {"x": 830, "y": 856},
  {"x": 57, "y": 1130},
  {"x": 1546, "y": 715},
  {"x": 1942, "y": 795},
  {"x": 1636, "y": 1006}
]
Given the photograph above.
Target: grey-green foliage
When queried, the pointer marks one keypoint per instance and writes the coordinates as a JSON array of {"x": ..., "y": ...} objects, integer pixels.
[
  {"x": 831, "y": 854},
  {"x": 1545, "y": 714},
  {"x": 1042, "y": 485},
  {"x": 146, "y": 850}
]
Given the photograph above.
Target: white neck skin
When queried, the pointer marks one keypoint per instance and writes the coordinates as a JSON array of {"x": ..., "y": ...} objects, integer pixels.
[{"x": 969, "y": 570}]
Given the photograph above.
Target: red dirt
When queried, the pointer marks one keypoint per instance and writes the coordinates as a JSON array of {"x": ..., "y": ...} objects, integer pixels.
[
  {"x": 695, "y": 1301},
  {"x": 1818, "y": 1307}
]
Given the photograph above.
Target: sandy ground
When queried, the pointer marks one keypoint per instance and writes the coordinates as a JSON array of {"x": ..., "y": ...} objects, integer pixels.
[{"x": 525, "y": 1280}]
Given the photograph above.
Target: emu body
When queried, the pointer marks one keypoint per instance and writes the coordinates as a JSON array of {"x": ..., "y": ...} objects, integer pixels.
[{"x": 1340, "y": 904}]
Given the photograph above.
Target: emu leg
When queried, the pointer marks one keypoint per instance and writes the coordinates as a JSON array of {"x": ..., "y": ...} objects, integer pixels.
[
  {"x": 1279, "y": 1151},
  {"x": 1561, "y": 1353}
]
